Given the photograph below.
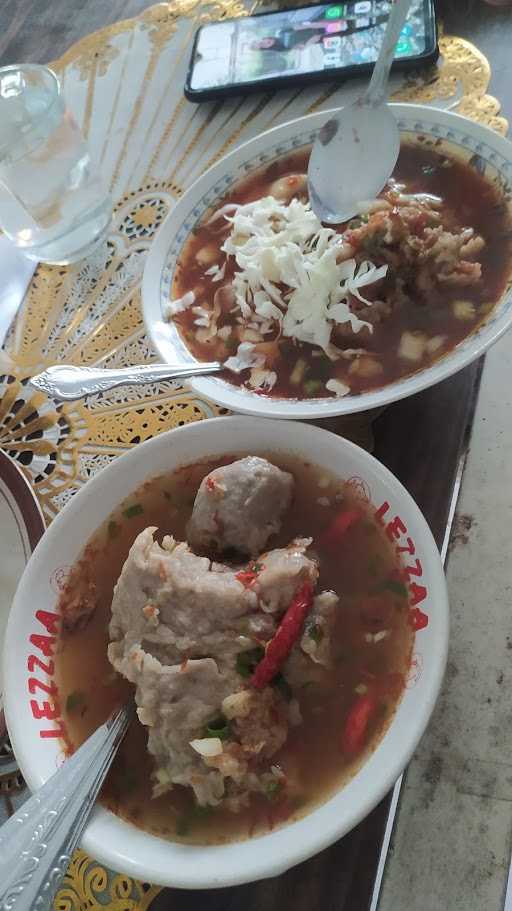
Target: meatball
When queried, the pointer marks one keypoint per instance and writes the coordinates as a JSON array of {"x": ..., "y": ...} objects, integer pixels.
[{"x": 239, "y": 506}]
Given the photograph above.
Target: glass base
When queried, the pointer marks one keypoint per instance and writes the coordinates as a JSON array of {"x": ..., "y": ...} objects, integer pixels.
[{"x": 38, "y": 255}]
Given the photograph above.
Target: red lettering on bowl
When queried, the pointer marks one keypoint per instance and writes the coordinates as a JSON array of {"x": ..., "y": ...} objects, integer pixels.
[
  {"x": 45, "y": 705},
  {"x": 396, "y": 530}
]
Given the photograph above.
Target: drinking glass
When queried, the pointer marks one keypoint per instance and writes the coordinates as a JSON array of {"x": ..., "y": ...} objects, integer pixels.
[{"x": 53, "y": 203}]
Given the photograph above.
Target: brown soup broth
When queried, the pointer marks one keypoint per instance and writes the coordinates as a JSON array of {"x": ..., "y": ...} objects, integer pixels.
[
  {"x": 465, "y": 193},
  {"x": 365, "y": 564}
]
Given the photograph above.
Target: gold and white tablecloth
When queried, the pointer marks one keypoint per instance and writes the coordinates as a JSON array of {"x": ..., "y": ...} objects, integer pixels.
[{"x": 125, "y": 87}]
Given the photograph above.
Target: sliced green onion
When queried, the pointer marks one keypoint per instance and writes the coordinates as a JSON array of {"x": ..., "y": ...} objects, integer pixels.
[
  {"x": 283, "y": 686},
  {"x": 358, "y": 221},
  {"x": 315, "y": 632},
  {"x": 74, "y": 701},
  {"x": 246, "y": 661},
  {"x": 201, "y": 812},
  {"x": 132, "y": 511},
  {"x": 398, "y": 588},
  {"x": 272, "y": 789},
  {"x": 114, "y": 529},
  {"x": 322, "y": 369},
  {"x": 311, "y": 387},
  {"x": 372, "y": 243},
  {"x": 183, "y": 826},
  {"x": 219, "y": 727}
]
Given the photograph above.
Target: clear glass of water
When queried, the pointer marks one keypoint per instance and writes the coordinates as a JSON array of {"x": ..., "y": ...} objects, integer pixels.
[{"x": 53, "y": 204}]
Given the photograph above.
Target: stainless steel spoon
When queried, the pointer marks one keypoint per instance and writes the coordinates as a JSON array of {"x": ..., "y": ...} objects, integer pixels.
[
  {"x": 37, "y": 842},
  {"x": 355, "y": 152},
  {"x": 66, "y": 383}
]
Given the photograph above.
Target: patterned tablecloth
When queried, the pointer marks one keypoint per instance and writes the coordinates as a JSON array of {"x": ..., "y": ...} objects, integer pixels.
[{"x": 124, "y": 85}]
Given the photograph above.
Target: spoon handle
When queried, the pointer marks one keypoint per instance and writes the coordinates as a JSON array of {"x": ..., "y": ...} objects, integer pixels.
[
  {"x": 377, "y": 90},
  {"x": 66, "y": 383},
  {"x": 36, "y": 844}
]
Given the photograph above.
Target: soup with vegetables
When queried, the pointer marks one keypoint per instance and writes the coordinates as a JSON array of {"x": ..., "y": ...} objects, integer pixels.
[
  {"x": 299, "y": 310},
  {"x": 260, "y": 615}
]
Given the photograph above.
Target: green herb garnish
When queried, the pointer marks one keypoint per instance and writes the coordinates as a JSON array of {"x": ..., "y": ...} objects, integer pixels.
[
  {"x": 273, "y": 789},
  {"x": 358, "y": 221},
  {"x": 200, "y": 812},
  {"x": 312, "y": 387},
  {"x": 132, "y": 511},
  {"x": 320, "y": 370},
  {"x": 283, "y": 686},
  {"x": 256, "y": 567},
  {"x": 246, "y": 661},
  {"x": 75, "y": 701},
  {"x": 219, "y": 727},
  {"x": 114, "y": 529},
  {"x": 315, "y": 632},
  {"x": 183, "y": 826},
  {"x": 398, "y": 588},
  {"x": 372, "y": 243}
]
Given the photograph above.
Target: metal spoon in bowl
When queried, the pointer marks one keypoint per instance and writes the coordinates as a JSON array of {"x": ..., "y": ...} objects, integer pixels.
[
  {"x": 355, "y": 152},
  {"x": 37, "y": 842},
  {"x": 66, "y": 383}
]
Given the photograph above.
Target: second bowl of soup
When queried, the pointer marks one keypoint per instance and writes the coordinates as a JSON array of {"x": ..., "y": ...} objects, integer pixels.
[
  {"x": 274, "y": 600},
  {"x": 314, "y": 321}
]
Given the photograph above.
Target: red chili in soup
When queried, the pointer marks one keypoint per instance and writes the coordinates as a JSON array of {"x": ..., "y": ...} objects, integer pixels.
[{"x": 337, "y": 711}]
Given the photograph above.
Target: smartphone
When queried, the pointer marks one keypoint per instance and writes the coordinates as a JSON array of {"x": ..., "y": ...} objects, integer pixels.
[{"x": 292, "y": 47}]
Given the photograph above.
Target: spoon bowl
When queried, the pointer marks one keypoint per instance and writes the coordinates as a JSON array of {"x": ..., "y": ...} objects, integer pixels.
[
  {"x": 354, "y": 153},
  {"x": 353, "y": 138}
]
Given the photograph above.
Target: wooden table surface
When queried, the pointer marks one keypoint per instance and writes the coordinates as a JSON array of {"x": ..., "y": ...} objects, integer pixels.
[{"x": 420, "y": 439}]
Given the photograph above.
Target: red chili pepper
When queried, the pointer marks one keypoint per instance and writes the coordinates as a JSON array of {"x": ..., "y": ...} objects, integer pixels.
[
  {"x": 284, "y": 638},
  {"x": 338, "y": 528},
  {"x": 246, "y": 577},
  {"x": 356, "y": 725},
  {"x": 210, "y": 484},
  {"x": 419, "y": 620}
]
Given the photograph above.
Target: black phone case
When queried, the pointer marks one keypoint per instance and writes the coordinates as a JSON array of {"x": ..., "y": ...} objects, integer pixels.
[{"x": 333, "y": 75}]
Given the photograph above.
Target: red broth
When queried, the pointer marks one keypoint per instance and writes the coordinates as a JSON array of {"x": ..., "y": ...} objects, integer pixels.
[
  {"x": 468, "y": 200},
  {"x": 365, "y": 572}
]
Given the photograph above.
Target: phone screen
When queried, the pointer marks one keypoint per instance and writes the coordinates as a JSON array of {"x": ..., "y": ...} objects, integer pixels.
[{"x": 311, "y": 39}]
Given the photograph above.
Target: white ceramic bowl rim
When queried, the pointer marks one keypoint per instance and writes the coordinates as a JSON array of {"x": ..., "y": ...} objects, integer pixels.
[
  {"x": 459, "y": 132},
  {"x": 120, "y": 845}
]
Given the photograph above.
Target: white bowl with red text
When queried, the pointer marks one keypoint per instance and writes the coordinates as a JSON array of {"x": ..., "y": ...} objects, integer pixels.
[{"x": 31, "y": 692}]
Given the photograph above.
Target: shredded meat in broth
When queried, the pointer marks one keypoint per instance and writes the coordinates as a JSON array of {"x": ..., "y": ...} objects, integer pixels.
[{"x": 299, "y": 310}]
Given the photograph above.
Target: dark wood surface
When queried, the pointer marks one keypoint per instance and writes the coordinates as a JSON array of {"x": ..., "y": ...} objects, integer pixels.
[{"x": 420, "y": 439}]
